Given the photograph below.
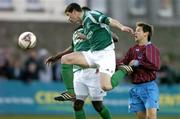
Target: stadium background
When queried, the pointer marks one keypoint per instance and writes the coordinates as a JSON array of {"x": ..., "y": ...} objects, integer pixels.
[{"x": 19, "y": 94}]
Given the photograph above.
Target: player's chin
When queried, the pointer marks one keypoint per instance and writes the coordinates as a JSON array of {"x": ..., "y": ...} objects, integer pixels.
[
  {"x": 73, "y": 21},
  {"x": 135, "y": 39}
]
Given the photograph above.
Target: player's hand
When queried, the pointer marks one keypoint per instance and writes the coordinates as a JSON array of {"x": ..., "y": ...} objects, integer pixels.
[
  {"x": 131, "y": 63},
  {"x": 134, "y": 63},
  {"x": 81, "y": 36},
  {"x": 50, "y": 60},
  {"x": 127, "y": 29}
]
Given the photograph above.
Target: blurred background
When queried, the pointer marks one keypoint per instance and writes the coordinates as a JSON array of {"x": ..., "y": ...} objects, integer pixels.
[{"x": 27, "y": 86}]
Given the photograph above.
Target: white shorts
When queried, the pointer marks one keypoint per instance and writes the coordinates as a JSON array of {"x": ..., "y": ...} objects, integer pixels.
[
  {"x": 103, "y": 59},
  {"x": 87, "y": 83}
]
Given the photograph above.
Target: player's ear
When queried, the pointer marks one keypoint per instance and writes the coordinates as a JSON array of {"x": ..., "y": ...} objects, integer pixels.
[{"x": 146, "y": 33}]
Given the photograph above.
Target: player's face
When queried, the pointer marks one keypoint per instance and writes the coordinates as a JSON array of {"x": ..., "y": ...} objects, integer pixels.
[
  {"x": 72, "y": 17},
  {"x": 139, "y": 34}
]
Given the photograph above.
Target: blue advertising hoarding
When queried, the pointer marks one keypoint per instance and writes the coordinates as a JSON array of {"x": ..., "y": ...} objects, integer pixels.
[{"x": 37, "y": 98}]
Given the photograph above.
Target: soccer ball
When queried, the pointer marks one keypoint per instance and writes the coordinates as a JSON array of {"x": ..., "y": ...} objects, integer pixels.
[{"x": 27, "y": 40}]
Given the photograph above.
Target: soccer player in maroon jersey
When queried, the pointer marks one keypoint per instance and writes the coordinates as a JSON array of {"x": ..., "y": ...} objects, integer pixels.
[{"x": 144, "y": 57}]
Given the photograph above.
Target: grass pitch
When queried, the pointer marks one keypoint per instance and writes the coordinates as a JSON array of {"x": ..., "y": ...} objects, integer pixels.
[{"x": 71, "y": 117}]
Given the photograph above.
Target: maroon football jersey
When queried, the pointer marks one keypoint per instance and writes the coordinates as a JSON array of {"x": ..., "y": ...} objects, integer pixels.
[{"x": 148, "y": 57}]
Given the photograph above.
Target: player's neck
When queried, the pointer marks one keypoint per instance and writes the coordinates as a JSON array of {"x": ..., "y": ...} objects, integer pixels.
[{"x": 143, "y": 42}]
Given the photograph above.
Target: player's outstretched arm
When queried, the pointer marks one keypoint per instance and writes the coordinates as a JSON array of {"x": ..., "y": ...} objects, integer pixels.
[
  {"x": 58, "y": 56},
  {"x": 117, "y": 24}
]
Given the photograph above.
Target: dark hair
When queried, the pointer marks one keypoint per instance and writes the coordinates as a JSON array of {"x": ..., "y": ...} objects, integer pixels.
[
  {"x": 73, "y": 6},
  {"x": 146, "y": 28},
  {"x": 86, "y": 8}
]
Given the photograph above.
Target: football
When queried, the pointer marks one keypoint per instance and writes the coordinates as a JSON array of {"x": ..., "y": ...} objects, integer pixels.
[{"x": 27, "y": 40}]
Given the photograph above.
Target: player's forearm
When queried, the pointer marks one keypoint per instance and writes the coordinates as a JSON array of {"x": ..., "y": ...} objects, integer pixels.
[
  {"x": 149, "y": 66},
  {"x": 66, "y": 51},
  {"x": 115, "y": 23},
  {"x": 145, "y": 64}
]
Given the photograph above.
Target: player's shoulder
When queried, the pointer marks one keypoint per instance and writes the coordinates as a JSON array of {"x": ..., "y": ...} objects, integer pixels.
[
  {"x": 95, "y": 12},
  {"x": 152, "y": 46}
]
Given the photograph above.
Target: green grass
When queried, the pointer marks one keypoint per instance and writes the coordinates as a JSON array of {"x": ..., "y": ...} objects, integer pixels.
[{"x": 88, "y": 117}]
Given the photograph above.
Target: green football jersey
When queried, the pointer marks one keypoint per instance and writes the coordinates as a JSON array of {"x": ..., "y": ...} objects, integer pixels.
[
  {"x": 79, "y": 45},
  {"x": 96, "y": 28}
]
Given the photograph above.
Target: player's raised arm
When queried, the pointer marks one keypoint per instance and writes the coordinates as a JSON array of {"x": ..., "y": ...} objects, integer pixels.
[
  {"x": 117, "y": 24},
  {"x": 58, "y": 56}
]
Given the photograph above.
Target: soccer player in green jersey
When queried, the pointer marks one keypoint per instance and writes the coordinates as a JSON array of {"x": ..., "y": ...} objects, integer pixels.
[
  {"x": 84, "y": 84},
  {"x": 101, "y": 53},
  {"x": 87, "y": 85}
]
